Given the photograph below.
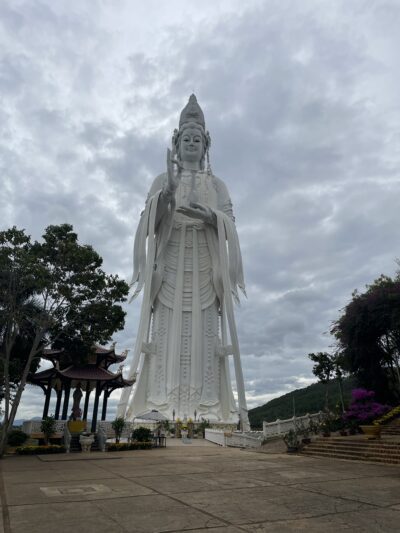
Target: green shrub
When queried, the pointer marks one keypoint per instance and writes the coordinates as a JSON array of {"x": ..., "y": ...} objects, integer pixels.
[
  {"x": 118, "y": 426},
  {"x": 123, "y": 446},
  {"x": 16, "y": 437},
  {"x": 35, "y": 450},
  {"x": 48, "y": 427},
  {"x": 141, "y": 434}
]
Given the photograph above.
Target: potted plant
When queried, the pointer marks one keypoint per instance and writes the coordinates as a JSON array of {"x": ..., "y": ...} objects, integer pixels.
[
  {"x": 203, "y": 425},
  {"x": 86, "y": 440},
  {"x": 118, "y": 426},
  {"x": 48, "y": 428},
  {"x": 190, "y": 427},
  {"x": 292, "y": 442},
  {"x": 303, "y": 430},
  {"x": 325, "y": 428},
  {"x": 184, "y": 432}
]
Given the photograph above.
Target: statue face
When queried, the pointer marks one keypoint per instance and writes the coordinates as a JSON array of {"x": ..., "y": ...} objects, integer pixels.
[{"x": 191, "y": 146}]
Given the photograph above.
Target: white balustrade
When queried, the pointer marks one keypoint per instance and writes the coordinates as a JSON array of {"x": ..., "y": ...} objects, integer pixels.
[
  {"x": 280, "y": 427},
  {"x": 235, "y": 439}
]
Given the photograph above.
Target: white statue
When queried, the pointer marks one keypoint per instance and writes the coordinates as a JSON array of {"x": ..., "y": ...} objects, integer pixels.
[{"x": 187, "y": 260}]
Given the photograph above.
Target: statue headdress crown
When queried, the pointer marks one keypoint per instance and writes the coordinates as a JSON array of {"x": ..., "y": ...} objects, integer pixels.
[{"x": 192, "y": 113}]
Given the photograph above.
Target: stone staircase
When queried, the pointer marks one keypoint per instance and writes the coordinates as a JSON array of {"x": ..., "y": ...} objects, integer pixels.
[
  {"x": 392, "y": 428},
  {"x": 359, "y": 448},
  {"x": 355, "y": 448},
  {"x": 74, "y": 445}
]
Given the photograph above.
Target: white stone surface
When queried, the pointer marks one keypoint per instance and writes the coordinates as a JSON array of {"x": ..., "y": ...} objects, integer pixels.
[{"x": 188, "y": 263}]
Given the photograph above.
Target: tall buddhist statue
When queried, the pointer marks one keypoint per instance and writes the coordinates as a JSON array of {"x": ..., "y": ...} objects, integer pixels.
[{"x": 188, "y": 263}]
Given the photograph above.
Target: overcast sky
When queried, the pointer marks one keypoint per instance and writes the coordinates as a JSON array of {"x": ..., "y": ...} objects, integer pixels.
[{"x": 302, "y": 103}]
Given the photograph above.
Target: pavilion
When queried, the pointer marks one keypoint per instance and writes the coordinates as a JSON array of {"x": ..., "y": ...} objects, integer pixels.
[{"x": 93, "y": 376}]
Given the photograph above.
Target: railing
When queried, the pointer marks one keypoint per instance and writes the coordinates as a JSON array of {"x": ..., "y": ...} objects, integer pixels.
[
  {"x": 280, "y": 427},
  {"x": 215, "y": 435},
  {"x": 105, "y": 427},
  {"x": 235, "y": 439}
]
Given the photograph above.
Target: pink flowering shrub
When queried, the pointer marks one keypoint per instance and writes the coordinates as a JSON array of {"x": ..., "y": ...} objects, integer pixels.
[{"x": 363, "y": 408}]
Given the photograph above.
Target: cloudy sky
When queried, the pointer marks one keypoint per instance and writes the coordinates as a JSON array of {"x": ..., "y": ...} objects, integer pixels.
[{"x": 302, "y": 103}]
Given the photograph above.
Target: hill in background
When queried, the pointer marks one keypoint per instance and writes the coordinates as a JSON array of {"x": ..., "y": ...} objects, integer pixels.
[{"x": 310, "y": 400}]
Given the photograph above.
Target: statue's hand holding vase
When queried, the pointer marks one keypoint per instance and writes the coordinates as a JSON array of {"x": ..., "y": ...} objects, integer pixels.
[{"x": 198, "y": 211}]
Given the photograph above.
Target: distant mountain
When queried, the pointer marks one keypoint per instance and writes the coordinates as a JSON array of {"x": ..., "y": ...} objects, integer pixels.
[
  {"x": 20, "y": 421},
  {"x": 311, "y": 399}
]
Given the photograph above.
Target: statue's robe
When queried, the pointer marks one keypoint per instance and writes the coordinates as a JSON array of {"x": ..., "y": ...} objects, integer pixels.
[{"x": 187, "y": 269}]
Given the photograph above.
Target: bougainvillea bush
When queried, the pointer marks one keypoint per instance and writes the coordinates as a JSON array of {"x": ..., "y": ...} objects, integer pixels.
[{"x": 363, "y": 408}]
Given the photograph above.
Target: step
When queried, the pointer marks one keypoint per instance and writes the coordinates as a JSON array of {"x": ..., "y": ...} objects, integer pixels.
[
  {"x": 352, "y": 458},
  {"x": 359, "y": 444},
  {"x": 354, "y": 452},
  {"x": 352, "y": 447}
]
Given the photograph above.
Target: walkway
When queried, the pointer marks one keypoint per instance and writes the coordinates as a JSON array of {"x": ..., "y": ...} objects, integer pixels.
[{"x": 199, "y": 489}]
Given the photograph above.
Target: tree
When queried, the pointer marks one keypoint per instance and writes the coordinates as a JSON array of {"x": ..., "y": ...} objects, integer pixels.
[
  {"x": 118, "y": 426},
  {"x": 48, "y": 428},
  {"x": 368, "y": 337},
  {"x": 323, "y": 369},
  {"x": 75, "y": 303}
]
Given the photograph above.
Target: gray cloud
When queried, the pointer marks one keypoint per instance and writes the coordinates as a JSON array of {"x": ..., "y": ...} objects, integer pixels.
[{"x": 301, "y": 103}]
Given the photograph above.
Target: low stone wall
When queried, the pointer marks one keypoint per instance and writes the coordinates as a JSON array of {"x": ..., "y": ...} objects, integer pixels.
[{"x": 33, "y": 426}]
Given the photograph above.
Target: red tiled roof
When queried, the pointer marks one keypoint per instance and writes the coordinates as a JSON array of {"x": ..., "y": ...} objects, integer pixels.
[
  {"x": 88, "y": 372},
  {"x": 84, "y": 373}
]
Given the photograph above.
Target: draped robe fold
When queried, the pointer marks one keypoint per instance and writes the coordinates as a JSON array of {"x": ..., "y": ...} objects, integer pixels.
[{"x": 189, "y": 272}]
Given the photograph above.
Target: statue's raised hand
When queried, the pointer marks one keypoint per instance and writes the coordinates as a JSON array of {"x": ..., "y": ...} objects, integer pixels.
[{"x": 173, "y": 176}]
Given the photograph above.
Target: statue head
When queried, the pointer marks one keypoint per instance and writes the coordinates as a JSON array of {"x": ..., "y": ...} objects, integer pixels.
[{"x": 191, "y": 142}]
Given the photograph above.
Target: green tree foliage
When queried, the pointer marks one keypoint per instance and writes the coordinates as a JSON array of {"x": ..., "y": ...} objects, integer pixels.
[
  {"x": 118, "y": 426},
  {"x": 323, "y": 370},
  {"x": 368, "y": 336},
  {"x": 141, "y": 434},
  {"x": 55, "y": 290},
  {"x": 310, "y": 399},
  {"x": 48, "y": 428},
  {"x": 328, "y": 366}
]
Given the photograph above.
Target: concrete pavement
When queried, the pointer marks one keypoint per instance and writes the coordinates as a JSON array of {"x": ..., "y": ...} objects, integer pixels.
[{"x": 197, "y": 488}]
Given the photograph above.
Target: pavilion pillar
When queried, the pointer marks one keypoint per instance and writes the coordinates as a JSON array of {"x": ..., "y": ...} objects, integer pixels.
[
  {"x": 96, "y": 407},
  {"x": 86, "y": 406},
  {"x": 58, "y": 404},
  {"x": 64, "y": 415},
  {"x": 105, "y": 400},
  {"x": 47, "y": 400}
]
